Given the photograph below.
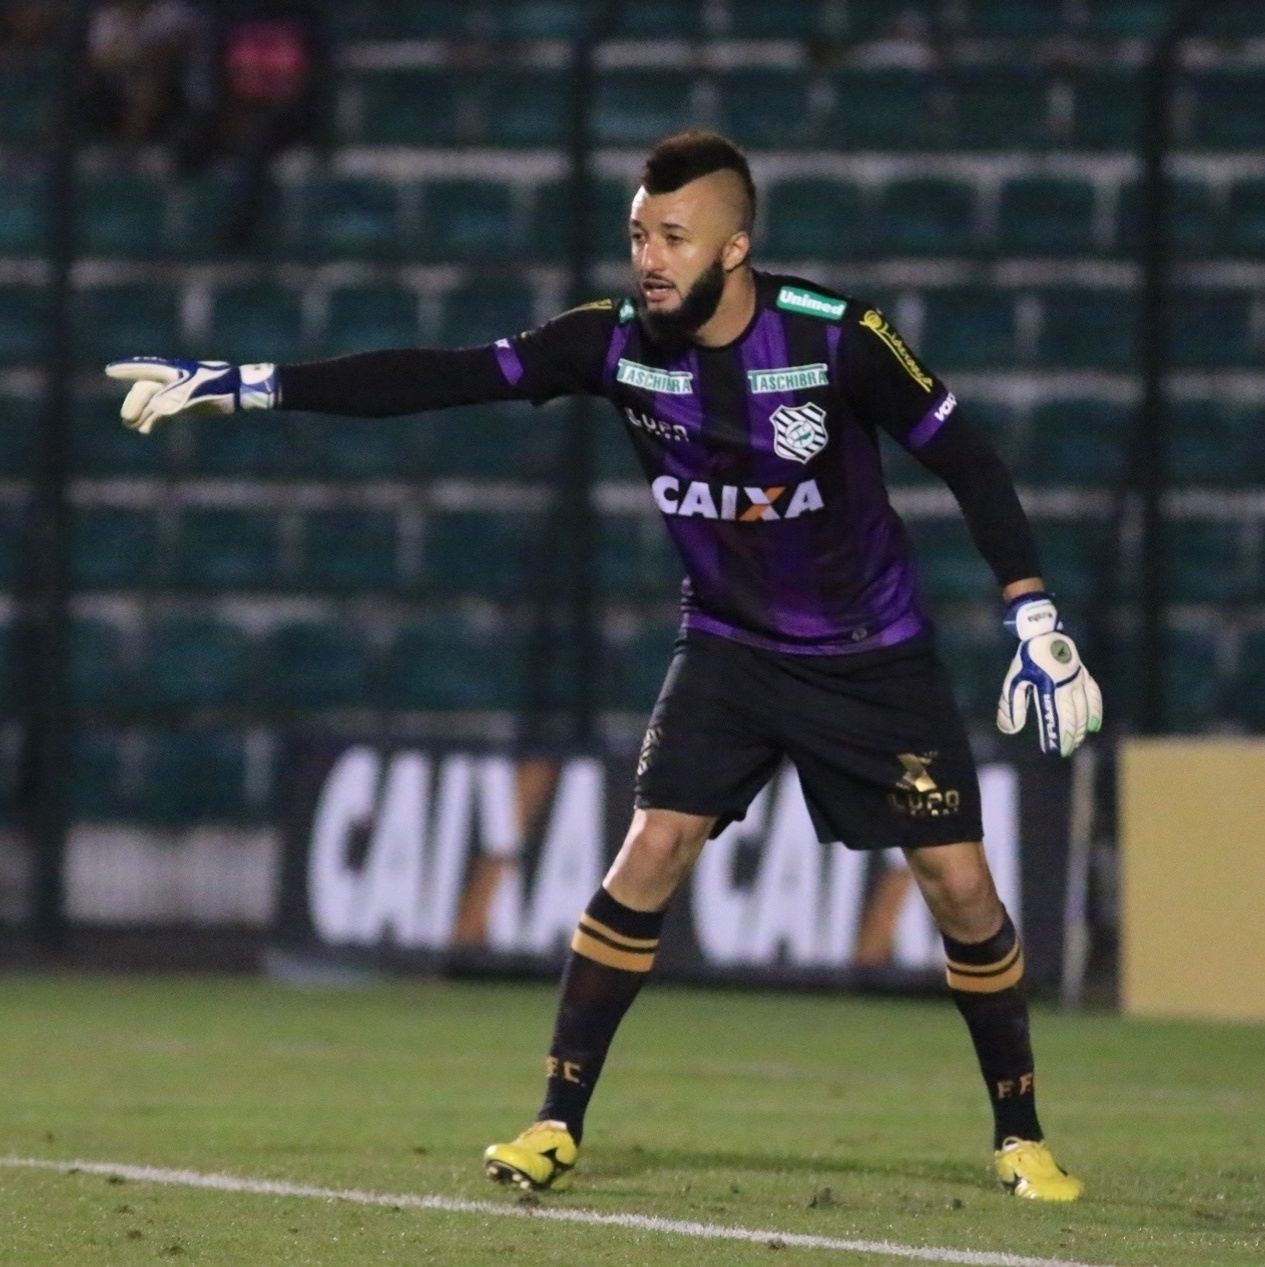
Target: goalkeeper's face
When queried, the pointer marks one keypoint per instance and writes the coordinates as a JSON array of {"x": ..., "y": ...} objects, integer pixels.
[{"x": 685, "y": 245}]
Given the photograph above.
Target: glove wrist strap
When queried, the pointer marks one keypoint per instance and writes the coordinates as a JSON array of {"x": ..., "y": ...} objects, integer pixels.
[
  {"x": 259, "y": 387},
  {"x": 1030, "y": 615}
]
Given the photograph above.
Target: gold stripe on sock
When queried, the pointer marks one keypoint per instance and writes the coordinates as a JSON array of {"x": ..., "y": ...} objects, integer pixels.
[
  {"x": 611, "y": 956},
  {"x": 988, "y": 979},
  {"x": 619, "y": 939}
]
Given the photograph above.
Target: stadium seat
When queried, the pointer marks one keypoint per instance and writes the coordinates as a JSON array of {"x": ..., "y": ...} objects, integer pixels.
[
  {"x": 332, "y": 448},
  {"x": 951, "y": 567},
  {"x": 1073, "y": 554},
  {"x": 542, "y": 19},
  {"x": 900, "y": 468},
  {"x": 22, "y": 228},
  {"x": 193, "y": 776},
  {"x": 1217, "y": 443},
  {"x": 26, "y": 101},
  {"x": 197, "y": 209},
  {"x": 102, "y": 445},
  {"x": 633, "y": 669},
  {"x": 20, "y": 420},
  {"x": 1228, "y": 112},
  {"x": 13, "y": 546},
  {"x": 551, "y": 220},
  {"x": 23, "y": 324},
  {"x": 1000, "y": 109},
  {"x": 885, "y": 109},
  {"x": 815, "y": 219},
  {"x": 1127, "y": 18},
  {"x": 522, "y": 109},
  {"x": 470, "y": 220},
  {"x": 614, "y": 457},
  {"x": 351, "y": 219},
  {"x": 1013, "y": 18},
  {"x": 510, "y": 441},
  {"x": 976, "y": 656},
  {"x": 409, "y": 107},
  {"x": 127, "y": 320},
  {"x": 1195, "y": 225},
  {"x": 1108, "y": 110},
  {"x": 121, "y": 216},
  {"x": 97, "y": 674},
  {"x": 489, "y": 553},
  {"x": 1045, "y": 216},
  {"x": 388, "y": 20},
  {"x": 445, "y": 664},
  {"x": 1083, "y": 328},
  {"x": 637, "y": 107},
  {"x": 798, "y": 20},
  {"x": 350, "y": 550},
  {"x": 879, "y": 19},
  {"x": 226, "y": 549},
  {"x": 968, "y": 328},
  {"x": 1077, "y": 442},
  {"x": 1203, "y": 558},
  {"x": 97, "y": 792},
  {"x": 256, "y": 322},
  {"x": 12, "y": 684},
  {"x": 313, "y": 665},
  {"x": 766, "y": 109},
  {"x": 114, "y": 549},
  {"x": 243, "y": 444},
  {"x": 195, "y": 662},
  {"x": 660, "y": 20},
  {"x": 1247, "y": 699},
  {"x": 1245, "y": 218},
  {"x": 368, "y": 318},
  {"x": 484, "y": 310},
  {"x": 925, "y": 216},
  {"x": 1194, "y": 688},
  {"x": 636, "y": 559},
  {"x": 1214, "y": 328},
  {"x": 1000, "y": 423}
]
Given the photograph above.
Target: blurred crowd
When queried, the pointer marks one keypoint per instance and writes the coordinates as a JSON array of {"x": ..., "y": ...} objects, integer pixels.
[{"x": 219, "y": 84}]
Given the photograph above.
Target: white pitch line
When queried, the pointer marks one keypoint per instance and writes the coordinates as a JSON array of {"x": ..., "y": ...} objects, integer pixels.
[{"x": 560, "y": 1214}]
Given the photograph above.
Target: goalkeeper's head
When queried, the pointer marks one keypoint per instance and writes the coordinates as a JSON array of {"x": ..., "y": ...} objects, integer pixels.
[{"x": 690, "y": 231}]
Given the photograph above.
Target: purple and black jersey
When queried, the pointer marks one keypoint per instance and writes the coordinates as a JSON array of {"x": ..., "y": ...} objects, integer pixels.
[{"x": 762, "y": 456}]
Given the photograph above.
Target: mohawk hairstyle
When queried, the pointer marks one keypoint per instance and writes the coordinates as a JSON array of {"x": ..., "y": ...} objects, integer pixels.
[{"x": 686, "y": 156}]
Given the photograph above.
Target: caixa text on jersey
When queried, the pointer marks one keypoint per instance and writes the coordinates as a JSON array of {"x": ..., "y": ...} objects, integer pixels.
[{"x": 735, "y": 502}]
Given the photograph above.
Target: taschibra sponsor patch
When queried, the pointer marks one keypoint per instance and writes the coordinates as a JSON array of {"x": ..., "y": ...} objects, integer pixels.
[
  {"x": 669, "y": 382},
  {"x": 878, "y": 323},
  {"x": 791, "y": 378},
  {"x": 810, "y": 303}
]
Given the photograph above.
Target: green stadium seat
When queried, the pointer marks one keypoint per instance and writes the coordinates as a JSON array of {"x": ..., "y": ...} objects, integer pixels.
[
  {"x": 1203, "y": 559},
  {"x": 97, "y": 673},
  {"x": 788, "y": 20},
  {"x": 114, "y": 549},
  {"x": 1217, "y": 443},
  {"x": 1242, "y": 21},
  {"x": 614, "y": 457},
  {"x": 102, "y": 445},
  {"x": 369, "y": 318},
  {"x": 636, "y": 559},
  {"x": 470, "y": 220},
  {"x": 20, "y": 420},
  {"x": 121, "y": 216},
  {"x": 195, "y": 662},
  {"x": 1013, "y": 18},
  {"x": 410, "y": 107},
  {"x": 1194, "y": 219},
  {"x": 633, "y": 669},
  {"x": 885, "y": 109},
  {"x": 312, "y": 665},
  {"x": 815, "y": 219},
  {"x": 1077, "y": 442},
  {"x": 350, "y": 218},
  {"x": 243, "y": 444},
  {"x": 489, "y": 553},
  {"x": 900, "y": 468},
  {"x": 197, "y": 209},
  {"x": 256, "y": 322},
  {"x": 1213, "y": 328},
  {"x": 350, "y": 550},
  {"x": 660, "y": 20},
  {"x": 968, "y": 327},
  {"x": 1196, "y": 693},
  {"x": 1228, "y": 113},
  {"x": 1108, "y": 110},
  {"x": 96, "y": 777},
  {"x": 1245, "y": 218},
  {"x": 26, "y": 101},
  {"x": 925, "y": 216},
  {"x": 1000, "y": 109},
  {"x": 226, "y": 549},
  {"x": 380, "y": 20},
  {"x": 126, "y": 320},
  {"x": 22, "y": 231},
  {"x": 23, "y": 324},
  {"x": 1073, "y": 552},
  {"x": 193, "y": 776},
  {"x": 551, "y": 220},
  {"x": 12, "y": 681},
  {"x": 877, "y": 19},
  {"x": 976, "y": 659},
  {"x": 951, "y": 567},
  {"x": 484, "y": 310},
  {"x": 1084, "y": 328},
  {"x": 523, "y": 109},
  {"x": 543, "y": 19},
  {"x": 510, "y": 441},
  {"x": 1045, "y": 216},
  {"x": 12, "y": 545},
  {"x": 637, "y": 107},
  {"x": 445, "y": 664},
  {"x": 766, "y": 109},
  {"x": 1128, "y": 18},
  {"x": 328, "y": 447},
  {"x": 1247, "y": 696}
]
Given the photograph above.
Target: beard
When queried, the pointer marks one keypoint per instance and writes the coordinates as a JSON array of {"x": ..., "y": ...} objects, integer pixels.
[{"x": 698, "y": 306}]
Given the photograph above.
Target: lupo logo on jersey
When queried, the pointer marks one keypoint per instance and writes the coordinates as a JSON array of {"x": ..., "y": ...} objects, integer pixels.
[
  {"x": 799, "y": 431},
  {"x": 731, "y": 502}
]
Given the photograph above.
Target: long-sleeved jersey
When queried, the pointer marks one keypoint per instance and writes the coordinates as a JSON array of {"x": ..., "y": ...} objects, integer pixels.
[{"x": 762, "y": 455}]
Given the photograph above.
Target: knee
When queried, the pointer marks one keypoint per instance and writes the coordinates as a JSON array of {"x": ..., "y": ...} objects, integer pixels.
[{"x": 662, "y": 849}]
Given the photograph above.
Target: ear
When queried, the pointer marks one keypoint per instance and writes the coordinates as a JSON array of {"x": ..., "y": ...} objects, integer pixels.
[{"x": 736, "y": 251}]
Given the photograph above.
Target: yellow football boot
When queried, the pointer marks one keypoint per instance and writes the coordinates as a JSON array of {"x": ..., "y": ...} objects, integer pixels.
[
  {"x": 1027, "y": 1168},
  {"x": 541, "y": 1157}
]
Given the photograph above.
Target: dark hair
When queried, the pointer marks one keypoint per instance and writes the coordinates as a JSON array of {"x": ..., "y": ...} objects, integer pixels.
[{"x": 686, "y": 156}]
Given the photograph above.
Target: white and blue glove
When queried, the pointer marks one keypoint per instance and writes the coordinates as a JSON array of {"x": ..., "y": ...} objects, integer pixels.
[
  {"x": 167, "y": 387},
  {"x": 1047, "y": 667}
]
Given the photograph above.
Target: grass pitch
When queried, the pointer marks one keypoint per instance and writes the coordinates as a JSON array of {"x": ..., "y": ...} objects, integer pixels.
[{"x": 716, "y": 1107}]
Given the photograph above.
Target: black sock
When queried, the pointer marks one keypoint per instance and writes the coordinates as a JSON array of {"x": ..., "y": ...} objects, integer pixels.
[
  {"x": 984, "y": 979},
  {"x": 611, "y": 952}
]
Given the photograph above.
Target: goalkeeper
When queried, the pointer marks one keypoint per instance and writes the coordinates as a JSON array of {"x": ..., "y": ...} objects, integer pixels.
[{"x": 753, "y": 402}]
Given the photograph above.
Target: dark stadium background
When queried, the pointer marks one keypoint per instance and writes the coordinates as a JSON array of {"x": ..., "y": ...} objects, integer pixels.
[{"x": 173, "y": 606}]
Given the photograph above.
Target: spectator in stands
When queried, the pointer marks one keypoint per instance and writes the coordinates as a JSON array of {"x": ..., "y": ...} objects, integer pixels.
[
  {"x": 138, "y": 53},
  {"x": 262, "y": 87}
]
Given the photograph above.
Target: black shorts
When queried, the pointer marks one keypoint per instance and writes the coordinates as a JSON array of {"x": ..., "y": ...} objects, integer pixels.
[{"x": 877, "y": 739}]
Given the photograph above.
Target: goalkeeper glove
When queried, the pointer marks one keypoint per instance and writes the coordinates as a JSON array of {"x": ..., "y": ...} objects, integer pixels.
[
  {"x": 169, "y": 387},
  {"x": 1047, "y": 666}
]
